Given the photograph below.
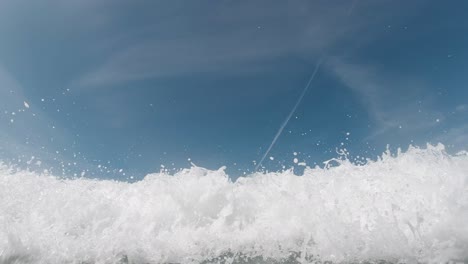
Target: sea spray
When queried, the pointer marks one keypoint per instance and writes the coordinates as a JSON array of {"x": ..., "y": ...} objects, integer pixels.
[{"x": 410, "y": 207}]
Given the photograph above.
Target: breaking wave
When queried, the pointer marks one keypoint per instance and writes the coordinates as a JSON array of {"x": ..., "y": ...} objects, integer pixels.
[{"x": 410, "y": 207}]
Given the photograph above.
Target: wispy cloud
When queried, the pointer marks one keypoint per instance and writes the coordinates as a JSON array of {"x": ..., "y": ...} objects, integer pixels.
[
  {"x": 456, "y": 137},
  {"x": 462, "y": 108},
  {"x": 245, "y": 37},
  {"x": 14, "y": 128},
  {"x": 392, "y": 101},
  {"x": 240, "y": 38},
  {"x": 25, "y": 130}
]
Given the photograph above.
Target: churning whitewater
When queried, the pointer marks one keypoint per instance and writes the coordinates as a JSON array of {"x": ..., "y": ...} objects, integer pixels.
[{"x": 409, "y": 207}]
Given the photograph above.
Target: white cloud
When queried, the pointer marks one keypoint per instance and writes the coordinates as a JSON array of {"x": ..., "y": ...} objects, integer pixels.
[
  {"x": 455, "y": 136},
  {"x": 233, "y": 38},
  {"x": 462, "y": 108},
  {"x": 393, "y": 102},
  {"x": 31, "y": 127}
]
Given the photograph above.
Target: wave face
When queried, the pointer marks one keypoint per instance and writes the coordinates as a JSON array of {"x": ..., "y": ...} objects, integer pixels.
[{"x": 410, "y": 207}]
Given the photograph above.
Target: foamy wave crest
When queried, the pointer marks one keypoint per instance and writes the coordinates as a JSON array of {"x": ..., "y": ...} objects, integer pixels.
[{"x": 410, "y": 207}]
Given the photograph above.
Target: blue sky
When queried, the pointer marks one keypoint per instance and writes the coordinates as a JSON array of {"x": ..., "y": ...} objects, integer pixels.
[{"x": 118, "y": 88}]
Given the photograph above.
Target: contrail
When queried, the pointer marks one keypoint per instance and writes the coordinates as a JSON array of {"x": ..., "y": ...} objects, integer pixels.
[
  {"x": 317, "y": 66},
  {"x": 280, "y": 130}
]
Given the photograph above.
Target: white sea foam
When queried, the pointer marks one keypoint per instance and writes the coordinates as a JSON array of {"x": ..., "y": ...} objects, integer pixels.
[{"x": 410, "y": 207}]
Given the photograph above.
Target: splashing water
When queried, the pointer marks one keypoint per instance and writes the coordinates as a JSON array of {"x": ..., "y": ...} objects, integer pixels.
[{"x": 410, "y": 207}]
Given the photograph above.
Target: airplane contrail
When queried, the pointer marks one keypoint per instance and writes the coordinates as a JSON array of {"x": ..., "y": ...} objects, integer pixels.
[
  {"x": 283, "y": 125},
  {"x": 317, "y": 67}
]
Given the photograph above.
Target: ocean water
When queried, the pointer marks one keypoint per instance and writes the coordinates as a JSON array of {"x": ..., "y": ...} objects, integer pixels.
[{"x": 407, "y": 207}]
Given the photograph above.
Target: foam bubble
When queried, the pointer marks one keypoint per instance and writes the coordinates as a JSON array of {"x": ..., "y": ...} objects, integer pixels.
[{"x": 411, "y": 208}]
